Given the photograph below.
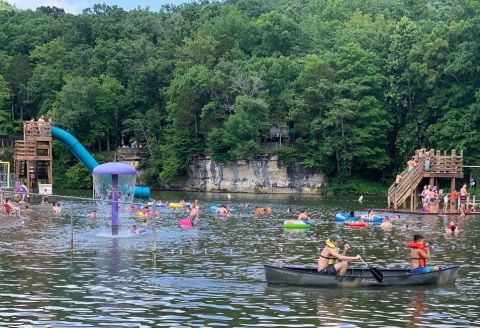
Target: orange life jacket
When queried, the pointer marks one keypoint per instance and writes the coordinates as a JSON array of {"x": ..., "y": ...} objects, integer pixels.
[{"x": 421, "y": 261}]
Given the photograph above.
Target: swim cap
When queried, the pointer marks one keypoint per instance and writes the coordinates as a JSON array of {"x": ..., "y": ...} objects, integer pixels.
[{"x": 335, "y": 237}]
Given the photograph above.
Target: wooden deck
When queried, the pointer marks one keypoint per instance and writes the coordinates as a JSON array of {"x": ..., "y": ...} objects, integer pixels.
[
  {"x": 432, "y": 165},
  {"x": 408, "y": 212}
]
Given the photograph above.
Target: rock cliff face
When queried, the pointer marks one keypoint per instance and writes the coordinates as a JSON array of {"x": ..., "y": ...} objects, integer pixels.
[{"x": 261, "y": 173}]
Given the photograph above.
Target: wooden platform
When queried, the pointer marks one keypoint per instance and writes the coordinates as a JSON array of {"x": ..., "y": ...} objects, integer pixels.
[
  {"x": 432, "y": 165},
  {"x": 424, "y": 213}
]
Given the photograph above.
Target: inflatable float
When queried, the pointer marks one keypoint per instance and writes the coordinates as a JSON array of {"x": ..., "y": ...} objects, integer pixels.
[
  {"x": 176, "y": 205},
  {"x": 296, "y": 224},
  {"x": 214, "y": 209},
  {"x": 186, "y": 223},
  {"x": 355, "y": 224},
  {"x": 340, "y": 217}
]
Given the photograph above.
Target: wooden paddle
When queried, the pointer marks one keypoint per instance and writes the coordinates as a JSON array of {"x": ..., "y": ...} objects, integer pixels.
[{"x": 375, "y": 272}]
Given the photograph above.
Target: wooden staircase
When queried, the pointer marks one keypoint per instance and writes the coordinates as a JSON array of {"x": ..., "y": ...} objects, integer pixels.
[{"x": 441, "y": 166}]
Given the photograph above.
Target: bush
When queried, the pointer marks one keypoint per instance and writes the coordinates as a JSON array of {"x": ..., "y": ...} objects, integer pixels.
[
  {"x": 78, "y": 177},
  {"x": 355, "y": 185}
]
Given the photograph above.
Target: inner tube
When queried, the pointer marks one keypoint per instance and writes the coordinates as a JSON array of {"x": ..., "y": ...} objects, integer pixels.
[
  {"x": 355, "y": 224},
  {"x": 296, "y": 224},
  {"x": 175, "y": 205},
  {"x": 186, "y": 223},
  {"x": 340, "y": 217}
]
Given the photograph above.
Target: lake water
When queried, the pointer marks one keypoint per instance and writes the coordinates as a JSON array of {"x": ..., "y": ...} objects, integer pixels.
[{"x": 213, "y": 275}]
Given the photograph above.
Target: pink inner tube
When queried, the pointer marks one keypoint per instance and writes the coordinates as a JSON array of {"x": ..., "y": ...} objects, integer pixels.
[
  {"x": 186, "y": 223},
  {"x": 355, "y": 224}
]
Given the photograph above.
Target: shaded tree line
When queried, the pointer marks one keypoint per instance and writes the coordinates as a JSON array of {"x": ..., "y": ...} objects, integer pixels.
[{"x": 359, "y": 83}]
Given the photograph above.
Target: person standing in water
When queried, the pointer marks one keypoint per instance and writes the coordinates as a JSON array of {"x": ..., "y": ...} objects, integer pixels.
[{"x": 303, "y": 216}]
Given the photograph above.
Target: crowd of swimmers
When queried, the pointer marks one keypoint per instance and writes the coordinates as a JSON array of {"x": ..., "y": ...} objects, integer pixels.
[{"x": 12, "y": 208}]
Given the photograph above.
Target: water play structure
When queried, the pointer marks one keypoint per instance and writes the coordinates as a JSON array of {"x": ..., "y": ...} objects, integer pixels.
[
  {"x": 115, "y": 182},
  {"x": 33, "y": 155}
]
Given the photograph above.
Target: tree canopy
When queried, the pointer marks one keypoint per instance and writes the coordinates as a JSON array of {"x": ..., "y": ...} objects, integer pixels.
[{"x": 360, "y": 84}]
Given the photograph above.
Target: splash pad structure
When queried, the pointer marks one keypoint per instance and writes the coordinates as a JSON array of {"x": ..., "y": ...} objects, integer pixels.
[{"x": 114, "y": 182}]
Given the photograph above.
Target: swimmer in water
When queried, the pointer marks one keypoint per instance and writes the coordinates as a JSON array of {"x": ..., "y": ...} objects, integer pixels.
[{"x": 93, "y": 214}]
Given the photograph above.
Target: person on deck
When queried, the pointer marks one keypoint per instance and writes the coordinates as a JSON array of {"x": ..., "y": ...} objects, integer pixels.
[
  {"x": 419, "y": 255},
  {"x": 331, "y": 261},
  {"x": 411, "y": 164},
  {"x": 445, "y": 202},
  {"x": 463, "y": 199},
  {"x": 453, "y": 200}
]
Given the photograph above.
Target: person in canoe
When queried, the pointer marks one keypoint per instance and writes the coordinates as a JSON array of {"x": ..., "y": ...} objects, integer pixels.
[
  {"x": 331, "y": 261},
  {"x": 303, "y": 216},
  {"x": 419, "y": 255}
]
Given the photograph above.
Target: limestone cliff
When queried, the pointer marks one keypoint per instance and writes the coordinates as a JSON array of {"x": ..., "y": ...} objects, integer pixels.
[{"x": 262, "y": 173}]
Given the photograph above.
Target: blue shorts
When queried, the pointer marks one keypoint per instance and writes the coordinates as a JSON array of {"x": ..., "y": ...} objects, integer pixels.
[{"x": 425, "y": 269}]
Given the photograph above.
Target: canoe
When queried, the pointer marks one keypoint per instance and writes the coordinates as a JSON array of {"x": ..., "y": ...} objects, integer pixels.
[
  {"x": 296, "y": 224},
  {"x": 357, "y": 277},
  {"x": 340, "y": 217},
  {"x": 359, "y": 224}
]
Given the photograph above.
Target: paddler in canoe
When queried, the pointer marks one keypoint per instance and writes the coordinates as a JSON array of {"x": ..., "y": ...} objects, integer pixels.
[
  {"x": 419, "y": 255},
  {"x": 331, "y": 261}
]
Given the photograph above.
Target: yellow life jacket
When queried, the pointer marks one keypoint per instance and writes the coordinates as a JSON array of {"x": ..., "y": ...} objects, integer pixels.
[{"x": 331, "y": 260}]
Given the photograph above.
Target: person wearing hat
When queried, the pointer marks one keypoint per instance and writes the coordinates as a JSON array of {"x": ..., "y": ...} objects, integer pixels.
[{"x": 331, "y": 261}]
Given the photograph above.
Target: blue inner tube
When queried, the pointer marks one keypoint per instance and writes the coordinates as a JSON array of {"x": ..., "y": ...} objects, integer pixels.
[{"x": 340, "y": 217}]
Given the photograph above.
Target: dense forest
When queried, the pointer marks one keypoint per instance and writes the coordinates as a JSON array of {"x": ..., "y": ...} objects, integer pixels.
[{"x": 360, "y": 84}]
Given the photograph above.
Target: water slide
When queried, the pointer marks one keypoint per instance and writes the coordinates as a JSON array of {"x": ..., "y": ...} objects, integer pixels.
[{"x": 85, "y": 157}]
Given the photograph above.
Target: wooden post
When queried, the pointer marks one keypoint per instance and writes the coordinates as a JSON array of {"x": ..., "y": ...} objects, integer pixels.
[
  {"x": 411, "y": 200},
  {"x": 431, "y": 182},
  {"x": 452, "y": 184}
]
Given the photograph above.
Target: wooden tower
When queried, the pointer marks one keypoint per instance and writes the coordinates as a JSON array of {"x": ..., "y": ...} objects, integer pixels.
[{"x": 33, "y": 155}]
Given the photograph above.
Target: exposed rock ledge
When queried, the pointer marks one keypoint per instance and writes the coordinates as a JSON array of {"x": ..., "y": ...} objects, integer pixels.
[{"x": 260, "y": 174}]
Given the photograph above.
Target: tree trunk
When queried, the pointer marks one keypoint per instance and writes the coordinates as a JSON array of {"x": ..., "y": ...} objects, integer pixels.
[
  {"x": 108, "y": 143},
  {"x": 99, "y": 145}
]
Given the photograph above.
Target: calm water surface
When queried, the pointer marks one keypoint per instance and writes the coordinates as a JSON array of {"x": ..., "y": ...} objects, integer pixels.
[{"x": 212, "y": 275}]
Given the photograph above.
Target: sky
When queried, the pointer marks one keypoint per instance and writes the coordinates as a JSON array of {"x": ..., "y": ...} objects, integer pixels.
[{"x": 76, "y": 6}]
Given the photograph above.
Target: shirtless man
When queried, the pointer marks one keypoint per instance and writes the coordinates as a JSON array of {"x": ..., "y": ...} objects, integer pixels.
[
  {"x": 331, "y": 261},
  {"x": 463, "y": 199}
]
